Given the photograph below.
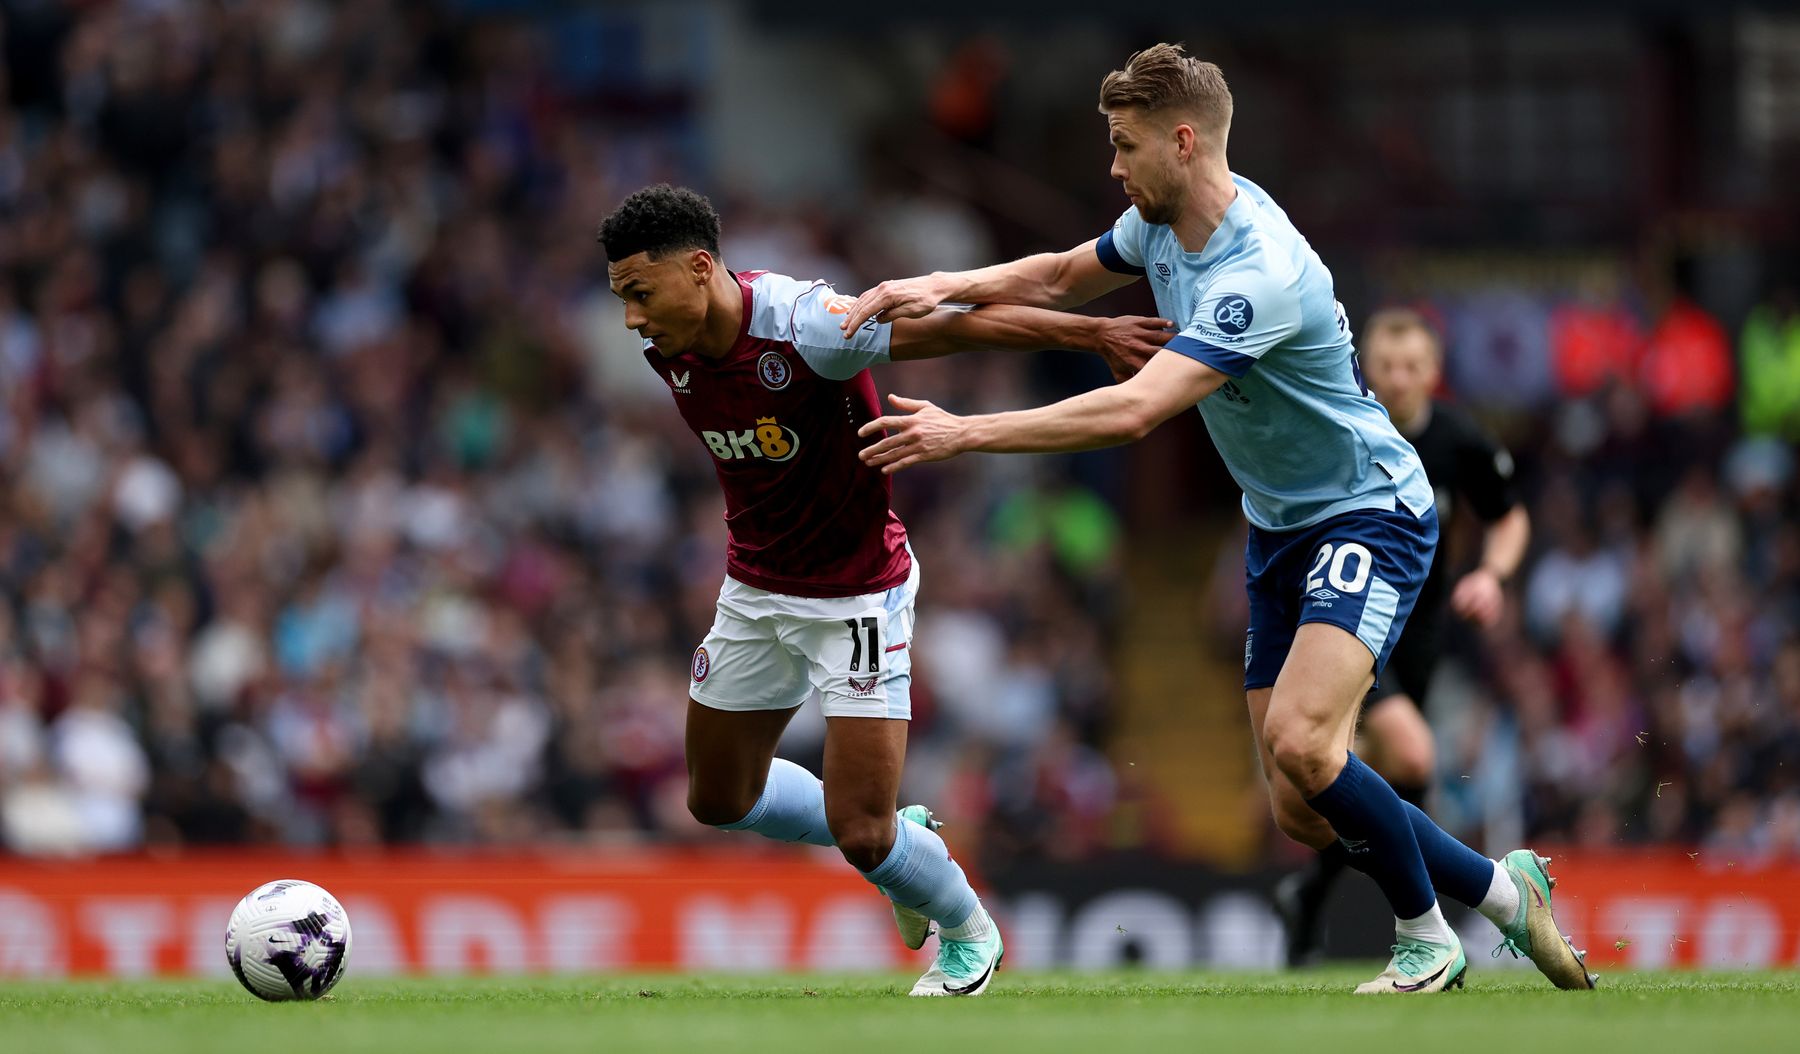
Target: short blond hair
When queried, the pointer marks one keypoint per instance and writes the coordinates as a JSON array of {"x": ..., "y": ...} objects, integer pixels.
[
  {"x": 1392, "y": 322},
  {"x": 1165, "y": 77}
]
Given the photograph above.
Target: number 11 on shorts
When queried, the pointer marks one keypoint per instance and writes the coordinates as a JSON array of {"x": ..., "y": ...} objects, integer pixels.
[{"x": 871, "y": 628}]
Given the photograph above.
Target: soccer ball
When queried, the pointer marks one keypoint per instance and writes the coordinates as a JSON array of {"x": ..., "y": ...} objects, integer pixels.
[{"x": 288, "y": 940}]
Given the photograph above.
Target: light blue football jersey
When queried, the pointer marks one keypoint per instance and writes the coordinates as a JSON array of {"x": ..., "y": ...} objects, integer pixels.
[{"x": 1296, "y": 426}]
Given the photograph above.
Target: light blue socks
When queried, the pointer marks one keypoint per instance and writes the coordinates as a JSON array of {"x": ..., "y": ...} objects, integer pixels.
[
  {"x": 791, "y": 809},
  {"x": 918, "y": 873}
]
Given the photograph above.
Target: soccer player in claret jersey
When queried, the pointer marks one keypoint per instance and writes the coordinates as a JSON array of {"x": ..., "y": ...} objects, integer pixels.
[
  {"x": 1402, "y": 361},
  {"x": 820, "y": 579},
  {"x": 1341, "y": 514}
]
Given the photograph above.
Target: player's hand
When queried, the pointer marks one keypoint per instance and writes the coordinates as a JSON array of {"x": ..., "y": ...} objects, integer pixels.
[
  {"x": 923, "y": 433},
  {"x": 1127, "y": 342},
  {"x": 895, "y": 298},
  {"x": 1479, "y": 598}
]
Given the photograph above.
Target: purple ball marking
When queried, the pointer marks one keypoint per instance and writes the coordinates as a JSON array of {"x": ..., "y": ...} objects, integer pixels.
[
  {"x": 277, "y": 889},
  {"x": 236, "y": 958},
  {"x": 292, "y": 970}
]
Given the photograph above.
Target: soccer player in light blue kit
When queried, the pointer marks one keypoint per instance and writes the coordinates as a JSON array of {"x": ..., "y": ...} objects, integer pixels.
[{"x": 1342, "y": 523}]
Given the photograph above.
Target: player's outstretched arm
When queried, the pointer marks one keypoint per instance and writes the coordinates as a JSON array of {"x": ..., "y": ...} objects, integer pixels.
[
  {"x": 1126, "y": 342},
  {"x": 1053, "y": 280},
  {"x": 1480, "y": 595},
  {"x": 1168, "y": 384}
]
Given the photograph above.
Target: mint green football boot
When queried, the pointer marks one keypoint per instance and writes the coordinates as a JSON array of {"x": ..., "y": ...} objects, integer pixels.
[
  {"x": 1533, "y": 932},
  {"x": 963, "y": 967},
  {"x": 1419, "y": 967}
]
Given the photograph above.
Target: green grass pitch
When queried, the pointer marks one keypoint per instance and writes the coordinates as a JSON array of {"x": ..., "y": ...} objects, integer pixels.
[{"x": 1113, "y": 1013}]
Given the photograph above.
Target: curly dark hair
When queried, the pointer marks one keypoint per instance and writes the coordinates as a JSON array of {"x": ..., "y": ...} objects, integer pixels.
[{"x": 660, "y": 220}]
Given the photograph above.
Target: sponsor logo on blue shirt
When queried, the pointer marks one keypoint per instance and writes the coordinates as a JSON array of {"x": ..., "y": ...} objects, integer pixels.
[{"x": 1234, "y": 314}]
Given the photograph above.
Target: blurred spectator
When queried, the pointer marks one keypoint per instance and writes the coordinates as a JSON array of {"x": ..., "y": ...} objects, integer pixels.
[
  {"x": 1499, "y": 343},
  {"x": 1687, "y": 364},
  {"x": 1594, "y": 340},
  {"x": 1769, "y": 350},
  {"x": 963, "y": 96},
  {"x": 1578, "y": 577}
]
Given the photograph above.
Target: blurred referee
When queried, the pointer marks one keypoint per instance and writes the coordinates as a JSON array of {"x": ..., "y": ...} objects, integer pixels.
[{"x": 1402, "y": 361}]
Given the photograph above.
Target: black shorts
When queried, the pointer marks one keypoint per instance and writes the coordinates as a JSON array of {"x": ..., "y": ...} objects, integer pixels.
[{"x": 1414, "y": 660}]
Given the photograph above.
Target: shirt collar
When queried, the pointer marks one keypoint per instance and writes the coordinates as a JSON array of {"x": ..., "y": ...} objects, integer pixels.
[{"x": 1231, "y": 227}]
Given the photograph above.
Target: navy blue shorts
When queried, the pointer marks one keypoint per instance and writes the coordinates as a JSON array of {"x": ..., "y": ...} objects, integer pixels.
[{"x": 1361, "y": 571}]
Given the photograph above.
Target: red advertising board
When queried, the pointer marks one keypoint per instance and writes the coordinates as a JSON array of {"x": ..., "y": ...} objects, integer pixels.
[
  {"x": 803, "y": 908},
  {"x": 419, "y": 912},
  {"x": 1673, "y": 909}
]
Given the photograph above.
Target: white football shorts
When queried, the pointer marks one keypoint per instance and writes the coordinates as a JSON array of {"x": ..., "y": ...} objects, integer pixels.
[{"x": 769, "y": 651}]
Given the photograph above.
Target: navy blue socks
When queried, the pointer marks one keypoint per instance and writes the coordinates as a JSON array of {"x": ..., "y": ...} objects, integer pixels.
[
  {"x": 1373, "y": 823},
  {"x": 1457, "y": 871}
]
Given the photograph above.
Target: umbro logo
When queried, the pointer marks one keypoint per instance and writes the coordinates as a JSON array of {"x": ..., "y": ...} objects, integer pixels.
[
  {"x": 1322, "y": 594},
  {"x": 680, "y": 380},
  {"x": 1162, "y": 271}
]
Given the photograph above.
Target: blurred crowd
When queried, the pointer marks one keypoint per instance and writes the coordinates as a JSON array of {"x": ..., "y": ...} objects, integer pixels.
[
  {"x": 1645, "y": 686},
  {"x": 337, "y": 505}
]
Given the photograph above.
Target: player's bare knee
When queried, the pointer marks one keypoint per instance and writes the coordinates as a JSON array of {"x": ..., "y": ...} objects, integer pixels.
[
  {"x": 1303, "y": 750},
  {"x": 865, "y": 841}
]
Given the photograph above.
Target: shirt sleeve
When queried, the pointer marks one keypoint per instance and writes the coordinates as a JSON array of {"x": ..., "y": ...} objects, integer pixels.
[
  {"x": 1485, "y": 474},
  {"x": 1239, "y": 315},
  {"x": 815, "y": 335},
  {"x": 1121, "y": 249}
]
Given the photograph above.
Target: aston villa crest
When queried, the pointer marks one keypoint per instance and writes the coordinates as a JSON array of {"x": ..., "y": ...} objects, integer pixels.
[{"x": 774, "y": 371}]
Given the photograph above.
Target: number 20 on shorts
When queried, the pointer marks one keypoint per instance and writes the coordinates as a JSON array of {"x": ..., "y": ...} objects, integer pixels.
[{"x": 1334, "y": 561}]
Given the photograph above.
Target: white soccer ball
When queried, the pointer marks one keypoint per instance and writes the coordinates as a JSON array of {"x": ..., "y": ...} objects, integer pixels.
[{"x": 288, "y": 940}]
